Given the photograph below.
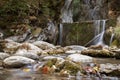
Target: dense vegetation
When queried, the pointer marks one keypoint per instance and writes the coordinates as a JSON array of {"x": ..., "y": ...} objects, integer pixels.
[{"x": 36, "y": 13}]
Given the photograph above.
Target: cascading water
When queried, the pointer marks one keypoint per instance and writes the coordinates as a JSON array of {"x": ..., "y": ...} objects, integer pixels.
[
  {"x": 61, "y": 33},
  {"x": 90, "y": 10},
  {"x": 67, "y": 17},
  {"x": 99, "y": 30},
  {"x": 67, "y": 12},
  {"x": 111, "y": 39}
]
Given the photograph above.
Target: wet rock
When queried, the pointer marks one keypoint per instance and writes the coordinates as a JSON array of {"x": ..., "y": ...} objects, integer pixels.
[
  {"x": 79, "y": 58},
  {"x": 9, "y": 46},
  {"x": 98, "y": 53},
  {"x": 17, "y": 61},
  {"x": 72, "y": 67},
  {"x": 53, "y": 69},
  {"x": 45, "y": 69},
  {"x": 1, "y": 63},
  {"x": 44, "y": 45},
  {"x": 74, "y": 49},
  {"x": 98, "y": 47},
  {"x": 25, "y": 53},
  {"x": 1, "y": 68},
  {"x": 30, "y": 48},
  {"x": 52, "y": 57},
  {"x": 3, "y": 55},
  {"x": 110, "y": 69},
  {"x": 64, "y": 73},
  {"x": 117, "y": 53},
  {"x": 55, "y": 51}
]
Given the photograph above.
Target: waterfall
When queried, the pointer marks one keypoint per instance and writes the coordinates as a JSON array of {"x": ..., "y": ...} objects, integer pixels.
[
  {"x": 111, "y": 39},
  {"x": 67, "y": 17},
  {"x": 99, "y": 30},
  {"x": 97, "y": 27},
  {"x": 60, "y": 33},
  {"x": 67, "y": 12}
]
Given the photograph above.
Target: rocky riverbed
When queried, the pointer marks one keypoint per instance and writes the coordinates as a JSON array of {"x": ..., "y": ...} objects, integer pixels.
[{"x": 38, "y": 59}]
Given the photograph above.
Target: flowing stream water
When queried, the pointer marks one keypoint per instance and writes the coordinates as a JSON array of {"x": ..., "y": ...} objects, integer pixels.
[
  {"x": 111, "y": 39},
  {"x": 98, "y": 39},
  {"x": 20, "y": 74},
  {"x": 99, "y": 30},
  {"x": 67, "y": 15}
]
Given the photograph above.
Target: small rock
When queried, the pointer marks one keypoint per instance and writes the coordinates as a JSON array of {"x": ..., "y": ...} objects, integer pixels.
[
  {"x": 45, "y": 69},
  {"x": 64, "y": 73}
]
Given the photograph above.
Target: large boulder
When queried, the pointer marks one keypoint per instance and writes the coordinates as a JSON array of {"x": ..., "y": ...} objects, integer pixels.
[
  {"x": 25, "y": 53},
  {"x": 79, "y": 58},
  {"x": 44, "y": 45},
  {"x": 3, "y": 55},
  {"x": 9, "y": 46},
  {"x": 30, "y": 48},
  {"x": 17, "y": 61}
]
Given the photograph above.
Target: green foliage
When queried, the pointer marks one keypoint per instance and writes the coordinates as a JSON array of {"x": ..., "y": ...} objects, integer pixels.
[
  {"x": 76, "y": 9},
  {"x": 117, "y": 31},
  {"x": 52, "y": 9},
  {"x": 14, "y": 7}
]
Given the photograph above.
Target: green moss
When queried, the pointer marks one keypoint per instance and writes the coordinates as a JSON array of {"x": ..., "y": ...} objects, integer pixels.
[
  {"x": 72, "y": 67},
  {"x": 111, "y": 22},
  {"x": 117, "y": 32},
  {"x": 114, "y": 43},
  {"x": 77, "y": 33},
  {"x": 51, "y": 62}
]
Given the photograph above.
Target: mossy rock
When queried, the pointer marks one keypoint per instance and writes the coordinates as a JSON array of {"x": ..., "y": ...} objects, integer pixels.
[
  {"x": 51, "y": 62},
  {"x": 117, "y": 31},
  {"x": 36, "y": 31},
  {"x": 113, "y": 73},
  {"x": 114, "y": 43},
  {"x": 98, "y": 53},
  {"x": 72, "y": 67}
]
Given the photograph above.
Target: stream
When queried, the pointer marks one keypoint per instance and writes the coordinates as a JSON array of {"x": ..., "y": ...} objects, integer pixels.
[{"x": 20, "y": 74}]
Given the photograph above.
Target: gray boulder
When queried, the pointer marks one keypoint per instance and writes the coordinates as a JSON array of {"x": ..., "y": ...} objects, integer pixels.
[
  {"x": 25, "y": 53},
  {"x": 79, "y": 58},
  {"x": 3, "y": 55},
  {"x": 44, "y": 45},
  {"x": 30, "y": 48},
  {"x": 17, "y": 61}
]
